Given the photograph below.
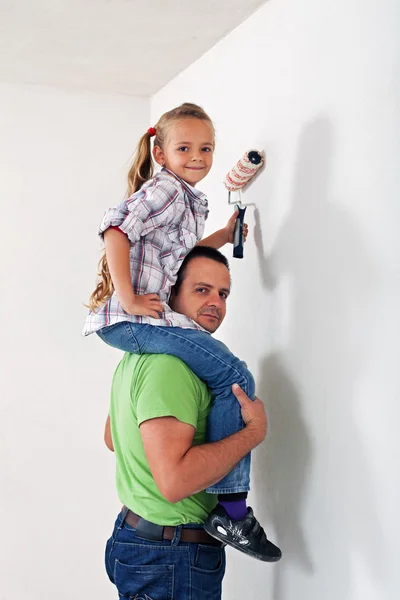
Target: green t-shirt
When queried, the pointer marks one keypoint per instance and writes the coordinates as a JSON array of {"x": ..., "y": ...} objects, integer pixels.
[{"x": 145, "y": 387}]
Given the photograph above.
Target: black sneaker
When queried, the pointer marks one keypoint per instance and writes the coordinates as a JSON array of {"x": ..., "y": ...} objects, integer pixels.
[{"x": 245, "y": 535}]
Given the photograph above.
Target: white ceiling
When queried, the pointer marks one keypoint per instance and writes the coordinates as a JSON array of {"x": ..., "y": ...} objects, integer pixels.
[{"x": 121, "y": 46}]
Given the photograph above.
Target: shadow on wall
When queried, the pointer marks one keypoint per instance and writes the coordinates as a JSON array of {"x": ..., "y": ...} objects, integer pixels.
[
  {"x": 288, "y": 455},
  {"x": 332, "y": 312}
]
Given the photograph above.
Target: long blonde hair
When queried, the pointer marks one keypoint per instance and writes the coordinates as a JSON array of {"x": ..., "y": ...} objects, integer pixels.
[{"x": 142, "y": 170}]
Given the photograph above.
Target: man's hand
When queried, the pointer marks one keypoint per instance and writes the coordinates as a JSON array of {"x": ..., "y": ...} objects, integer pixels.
[
  {"x": 230, "y": 228},
  {"x": 145, "y": 305},
  {"x": 253, "y": 413}
]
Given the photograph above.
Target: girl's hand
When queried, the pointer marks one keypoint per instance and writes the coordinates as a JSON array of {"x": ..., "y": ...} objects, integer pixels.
[
  {"x": 148, "y": 305},
  {"x": 230, "y": 228}
]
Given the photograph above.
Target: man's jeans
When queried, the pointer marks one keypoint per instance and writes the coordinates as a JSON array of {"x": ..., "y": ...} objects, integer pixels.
[
  {"x": 214, "y": 364},
  {"x": 163, "y": 570}
]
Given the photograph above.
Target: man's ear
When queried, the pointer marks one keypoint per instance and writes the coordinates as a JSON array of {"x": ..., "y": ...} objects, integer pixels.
[
  {"x": 158, "y": 155},
  {"x": 172, "y": 297}
]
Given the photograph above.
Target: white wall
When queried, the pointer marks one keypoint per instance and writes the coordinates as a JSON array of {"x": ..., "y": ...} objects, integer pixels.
[
  {"x": 314, "y": 308},
  {"x": 63, "y": 160}
]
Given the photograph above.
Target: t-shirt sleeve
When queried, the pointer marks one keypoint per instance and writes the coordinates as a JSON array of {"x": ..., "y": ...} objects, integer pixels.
[
  {"x": 155, "y": 206},
  {"x": 165, "y": 387}
]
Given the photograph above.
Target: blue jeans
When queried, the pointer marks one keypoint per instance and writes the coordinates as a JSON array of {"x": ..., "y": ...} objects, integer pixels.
[
  {"x": 163, "y": 570},
  {"x": 213, "y": 363}
]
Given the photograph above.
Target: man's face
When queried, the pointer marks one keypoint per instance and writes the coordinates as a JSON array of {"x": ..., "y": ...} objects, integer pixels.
[{"x": 203, "y": 293}]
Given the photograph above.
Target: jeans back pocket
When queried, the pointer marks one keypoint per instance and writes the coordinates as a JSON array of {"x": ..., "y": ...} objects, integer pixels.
[{"x": 147, "y": 582}]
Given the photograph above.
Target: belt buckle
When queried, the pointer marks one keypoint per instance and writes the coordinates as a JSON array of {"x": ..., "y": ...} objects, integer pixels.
[{"x": 149, "y": 531}]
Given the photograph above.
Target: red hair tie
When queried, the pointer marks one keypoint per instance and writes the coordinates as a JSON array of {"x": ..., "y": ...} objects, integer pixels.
[{"x": 151, "y": 131}]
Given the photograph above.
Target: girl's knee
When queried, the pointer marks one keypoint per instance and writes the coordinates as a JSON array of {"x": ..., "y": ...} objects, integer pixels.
[{"x": 248, "y": 384}]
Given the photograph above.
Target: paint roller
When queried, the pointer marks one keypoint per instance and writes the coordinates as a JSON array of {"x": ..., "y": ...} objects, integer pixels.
[{"x": 235, "y": 180}]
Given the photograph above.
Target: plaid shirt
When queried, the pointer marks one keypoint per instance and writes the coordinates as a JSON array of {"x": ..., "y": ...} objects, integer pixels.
[{"x": 164, "y": 220}]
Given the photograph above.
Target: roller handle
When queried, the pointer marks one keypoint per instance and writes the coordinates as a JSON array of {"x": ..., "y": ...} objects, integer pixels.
[{"x": 238, "y": 233}]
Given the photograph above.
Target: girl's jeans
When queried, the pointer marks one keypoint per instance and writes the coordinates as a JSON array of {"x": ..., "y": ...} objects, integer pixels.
[{"x": 213, "y": 363}]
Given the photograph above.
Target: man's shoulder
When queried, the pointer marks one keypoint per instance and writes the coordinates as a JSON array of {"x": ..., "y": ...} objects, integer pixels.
[
  {"x": 155, "y": 364},
  {"x": 151, "y": 359},
  {"x": 165, "y": 364},
  {"x": 166, "y": 380}
]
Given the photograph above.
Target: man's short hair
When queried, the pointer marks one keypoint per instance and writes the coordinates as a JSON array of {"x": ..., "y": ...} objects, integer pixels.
[{"x": 196, "y": 252}]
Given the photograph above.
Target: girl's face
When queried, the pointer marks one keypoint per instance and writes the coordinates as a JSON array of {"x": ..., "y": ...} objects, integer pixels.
[{"x": 188, "y": 151}]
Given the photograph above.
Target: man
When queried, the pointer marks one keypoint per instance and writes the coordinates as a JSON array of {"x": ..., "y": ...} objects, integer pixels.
[{"x": 158, "y": 420}]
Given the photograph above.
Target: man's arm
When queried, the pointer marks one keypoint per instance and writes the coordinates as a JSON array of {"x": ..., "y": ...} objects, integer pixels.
[
  {"x": 180, "y": 469},
  {"x": 107, "y": 435}
]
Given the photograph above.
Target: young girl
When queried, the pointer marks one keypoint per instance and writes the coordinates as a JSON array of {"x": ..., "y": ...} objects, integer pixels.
[{"x": 146, "y": 239}]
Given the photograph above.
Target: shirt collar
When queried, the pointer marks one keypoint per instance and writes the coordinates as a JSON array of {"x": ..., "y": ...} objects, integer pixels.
[{"x": 194, "y": 193}]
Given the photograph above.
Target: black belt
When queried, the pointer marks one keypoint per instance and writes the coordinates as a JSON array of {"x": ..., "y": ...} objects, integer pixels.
[{"x": 151, "y": 531}]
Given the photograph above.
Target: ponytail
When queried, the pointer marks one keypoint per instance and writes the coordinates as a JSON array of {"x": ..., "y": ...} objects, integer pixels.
[
  {"x": 142, "y": 167},
  {"x": 104, "y": 288}
]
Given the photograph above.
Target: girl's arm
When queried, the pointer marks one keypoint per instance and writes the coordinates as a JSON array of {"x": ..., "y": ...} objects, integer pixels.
[
  {"x": 215, "y": 240},
  {"x": 223, "y": 236},
  {"x": 117, "y": 247}
]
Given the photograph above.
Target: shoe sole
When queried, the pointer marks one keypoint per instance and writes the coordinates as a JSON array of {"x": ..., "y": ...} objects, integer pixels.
[{"x": 233, "y": 544}]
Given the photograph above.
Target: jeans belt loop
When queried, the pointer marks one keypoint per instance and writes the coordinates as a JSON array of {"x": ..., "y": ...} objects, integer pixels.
[
  {"x": 124, "y": 513},
  {"x": 177, "y": 535}
]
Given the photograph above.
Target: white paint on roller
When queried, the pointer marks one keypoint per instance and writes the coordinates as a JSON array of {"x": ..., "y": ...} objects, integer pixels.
[{"x": 242, "y": 172}]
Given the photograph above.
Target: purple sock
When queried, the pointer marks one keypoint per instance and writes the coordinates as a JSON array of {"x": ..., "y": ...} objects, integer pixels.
[{"x": 236, "y": 509}]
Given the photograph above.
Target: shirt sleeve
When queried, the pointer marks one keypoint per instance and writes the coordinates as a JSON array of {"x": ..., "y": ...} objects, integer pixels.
[
  {"x": 165, "y": 387},
  {"x": 159, "y": 204}
]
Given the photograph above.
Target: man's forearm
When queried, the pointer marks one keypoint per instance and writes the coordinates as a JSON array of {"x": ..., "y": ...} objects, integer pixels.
[{"x": 204, "y": 465}]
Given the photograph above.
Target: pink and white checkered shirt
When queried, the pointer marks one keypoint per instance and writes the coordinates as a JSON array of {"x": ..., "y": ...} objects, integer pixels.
[{"x": 164, "y": 220}]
